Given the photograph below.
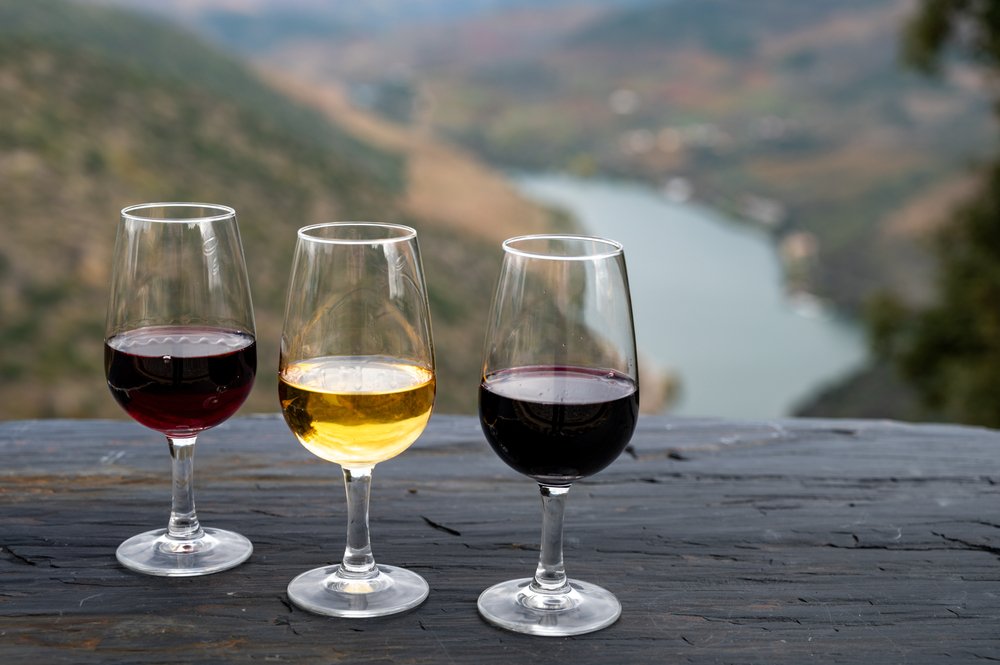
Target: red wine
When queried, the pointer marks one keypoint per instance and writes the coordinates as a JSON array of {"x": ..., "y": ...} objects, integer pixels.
[
  {"x": 180, "y": 380},
  {"x": 558, "y": 424}
]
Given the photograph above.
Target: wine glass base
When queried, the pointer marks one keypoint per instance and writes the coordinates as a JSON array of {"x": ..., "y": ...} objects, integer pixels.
[
  {"x": 155, "y": 553},
  {"x": 325, "y": 591},
  {"x": 515, "y": 606}
]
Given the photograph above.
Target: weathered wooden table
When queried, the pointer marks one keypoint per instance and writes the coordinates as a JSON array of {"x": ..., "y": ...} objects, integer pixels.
[{"x": 727, "y": 542}]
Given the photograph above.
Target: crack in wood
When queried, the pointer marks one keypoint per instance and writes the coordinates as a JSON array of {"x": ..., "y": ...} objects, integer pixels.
[
  {"x": 441, "y": 527},
  {"x": 968, "y": 545},
  {"x": 745, "y": 621},
  {"x": 901, "y": 548},
  {"x": 285, "y": 621},
  {"x": 14, "y": 556},
  {"x": 267, "y": 512}
]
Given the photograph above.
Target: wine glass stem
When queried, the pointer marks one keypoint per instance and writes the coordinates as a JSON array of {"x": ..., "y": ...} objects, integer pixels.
[
  {"x": 358, "y": 559},
  {"x": 183, "y": 523},
  {"x": 550, "y": 576}
]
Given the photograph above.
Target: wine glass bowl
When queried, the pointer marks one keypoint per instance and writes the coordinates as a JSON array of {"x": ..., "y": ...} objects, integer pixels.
[
  {"x": 356, "y": 385},
  {"x": 180, "y": 357},
  {"x": 558, "y": 401}
]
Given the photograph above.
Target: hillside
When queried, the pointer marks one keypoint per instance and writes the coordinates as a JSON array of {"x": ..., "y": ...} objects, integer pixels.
[
  {"x": 794, "y": 115},
  {"x": 100, "y": 109}
]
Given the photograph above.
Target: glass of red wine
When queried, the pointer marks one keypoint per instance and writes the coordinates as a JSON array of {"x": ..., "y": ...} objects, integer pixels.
[
  {"x": 558, "y": 402},
  {"x": 180, "y": 356}
]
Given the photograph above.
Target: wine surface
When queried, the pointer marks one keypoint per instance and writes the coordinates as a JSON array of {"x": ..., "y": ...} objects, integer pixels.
[
  {"x": 356, "y": 411},
  {"x": 558, "y": 424},
  {"x": 180, "y": 380}
]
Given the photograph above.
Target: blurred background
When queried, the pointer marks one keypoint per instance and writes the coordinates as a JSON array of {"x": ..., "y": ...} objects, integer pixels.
[{"x": 808, "y": 192}]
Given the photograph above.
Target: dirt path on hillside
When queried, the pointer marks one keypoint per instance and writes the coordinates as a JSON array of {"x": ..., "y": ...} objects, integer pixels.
[{"x": 443, "y": 183}]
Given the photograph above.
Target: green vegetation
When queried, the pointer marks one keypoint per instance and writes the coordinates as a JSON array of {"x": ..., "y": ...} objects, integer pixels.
[
  {"x": 100, "y": 109},
  {"x": 950, "y": 352},
  {"x": 155, "y": 49}
]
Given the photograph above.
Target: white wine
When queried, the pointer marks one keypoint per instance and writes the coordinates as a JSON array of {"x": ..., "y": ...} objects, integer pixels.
[{"x": 356, "y": 410}]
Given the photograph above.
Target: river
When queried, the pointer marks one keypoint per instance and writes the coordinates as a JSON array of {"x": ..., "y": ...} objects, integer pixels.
[{"x": 708, "y": 300}]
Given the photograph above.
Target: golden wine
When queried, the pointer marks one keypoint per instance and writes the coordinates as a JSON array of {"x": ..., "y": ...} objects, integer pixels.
[{"x": 356, "y": 411}]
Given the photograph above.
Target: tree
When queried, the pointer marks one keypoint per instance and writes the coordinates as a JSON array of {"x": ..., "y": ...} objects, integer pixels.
[
  {"x": 973, "y": 26},
  {"x": 950, "y": 352}
]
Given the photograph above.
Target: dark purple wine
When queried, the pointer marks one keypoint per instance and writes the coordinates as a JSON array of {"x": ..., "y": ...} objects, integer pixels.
[
  {"x": 558, "y": 424},
  {"x": 180, "y": 380}
]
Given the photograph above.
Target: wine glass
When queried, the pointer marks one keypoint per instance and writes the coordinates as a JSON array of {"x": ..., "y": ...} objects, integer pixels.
[
  {"x": 356, "y": 384},
  {"x": 559, "y": 400},
  {"x": 180, "y": 356}
]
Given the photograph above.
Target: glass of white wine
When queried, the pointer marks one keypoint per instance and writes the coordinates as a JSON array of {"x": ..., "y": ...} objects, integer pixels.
[{"x": 357, "y": 385}]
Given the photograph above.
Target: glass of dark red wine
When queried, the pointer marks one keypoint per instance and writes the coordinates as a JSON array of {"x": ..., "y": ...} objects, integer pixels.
[
  {"x": 180, "y": 357},
  {"x": 558, "y": 402}
]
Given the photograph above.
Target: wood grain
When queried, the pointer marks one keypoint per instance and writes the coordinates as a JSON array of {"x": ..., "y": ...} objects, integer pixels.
[{"x": 727, "y": 542}]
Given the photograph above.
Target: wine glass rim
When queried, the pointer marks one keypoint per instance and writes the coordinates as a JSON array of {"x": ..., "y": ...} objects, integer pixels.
[
  {"x": 407, "y": 233},
  {"x": 220, "y": 212},
  {"x": 614, "y": 248}
]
